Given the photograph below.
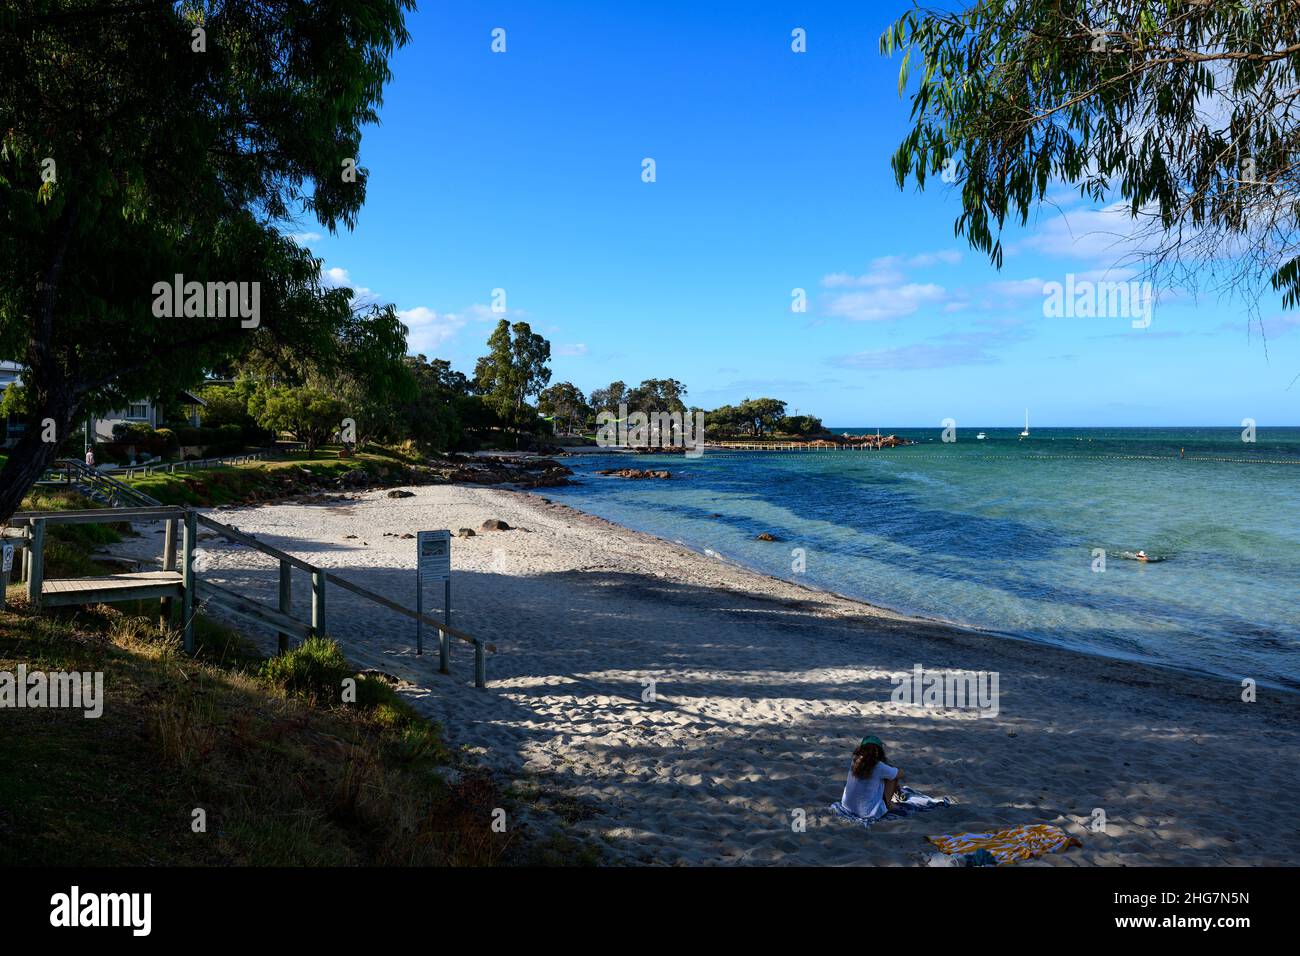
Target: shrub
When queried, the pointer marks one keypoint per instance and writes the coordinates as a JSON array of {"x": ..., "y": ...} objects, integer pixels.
[{"x": 314, "y": 670}]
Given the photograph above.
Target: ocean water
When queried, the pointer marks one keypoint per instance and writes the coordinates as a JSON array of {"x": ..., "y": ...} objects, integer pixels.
[{"x": 1001, "y": 534}]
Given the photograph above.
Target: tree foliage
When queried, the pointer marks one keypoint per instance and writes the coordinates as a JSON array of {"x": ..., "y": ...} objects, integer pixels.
[
  {"x": 564, "y": 402},
  {"x": 513, "y": 369},
  {"x": 129, "y": 157},
  {"x": 310, "y": 414},
  {"x": 1180, "y": 114}
]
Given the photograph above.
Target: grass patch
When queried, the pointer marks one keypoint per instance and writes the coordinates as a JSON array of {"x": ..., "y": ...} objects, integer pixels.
[
  {"x": 281, "y": 777},
  {"x": 315, "y": 670},
  {"x": 294, "y": 472}
]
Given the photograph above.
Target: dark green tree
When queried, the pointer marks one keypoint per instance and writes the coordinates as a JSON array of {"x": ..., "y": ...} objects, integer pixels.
[
  {"x": 608, "y": 399},
  {"x": 146, "y": 140},
  {"x": 657, "y": 395},
  {"x": 513, "y": 369},
  {"x": 566, "y": 403}
]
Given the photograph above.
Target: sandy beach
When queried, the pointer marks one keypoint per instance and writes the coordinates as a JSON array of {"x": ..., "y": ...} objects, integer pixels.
[{"x": 761, "y": 690}]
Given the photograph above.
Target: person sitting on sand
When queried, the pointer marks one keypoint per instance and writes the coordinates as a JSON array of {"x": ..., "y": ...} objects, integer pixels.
[{"x": 873, "y": 784}]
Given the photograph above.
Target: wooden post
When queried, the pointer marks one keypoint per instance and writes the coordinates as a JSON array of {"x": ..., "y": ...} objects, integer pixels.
[
  {"x": 286, "y": 599},
  {"x": 4, "y": 576},
  {"x": 168, "y": 606},
  {"x": 444, "y": 639},
  {"x": 188, "y": 538},
  {"x": 318, "y": 602},
  {"x": 480, "y": 668},
  {"x": 36, "y": 562}
]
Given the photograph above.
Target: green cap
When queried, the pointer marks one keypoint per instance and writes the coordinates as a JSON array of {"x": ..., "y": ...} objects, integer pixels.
[{"x": 872, "y": 740}]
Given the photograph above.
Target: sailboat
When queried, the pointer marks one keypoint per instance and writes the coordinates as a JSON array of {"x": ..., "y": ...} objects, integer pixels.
[{"x": 1025, "y": 433}]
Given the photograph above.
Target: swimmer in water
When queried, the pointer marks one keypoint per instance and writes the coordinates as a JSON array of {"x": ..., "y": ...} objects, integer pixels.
[{"x": 1141, "y": 556}]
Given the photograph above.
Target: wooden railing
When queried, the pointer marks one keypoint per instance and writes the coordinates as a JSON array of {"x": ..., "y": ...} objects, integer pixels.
[
  {"x": 171, "y": 467},
  {"x": 96, "y": 483},
  {"x": 319, "y": 578},
  {"x": 29, "y": 530}
]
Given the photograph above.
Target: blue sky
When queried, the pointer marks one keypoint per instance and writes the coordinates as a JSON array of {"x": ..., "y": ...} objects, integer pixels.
[{"x": 522, "y": 171}]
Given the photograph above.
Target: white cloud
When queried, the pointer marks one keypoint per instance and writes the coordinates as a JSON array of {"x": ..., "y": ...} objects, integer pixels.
[
  {"x": 429, "y": 329},
  {"x": 306, "y": 238},
  {"x": 884, "y": 303},
  {"x": 577, "y": 349},
  {"x": 336, "y": 277},
  {"x": 982, "y": 344},
  {"x": 1108, "y": 234},
  {"x": 887, "y": 293}
]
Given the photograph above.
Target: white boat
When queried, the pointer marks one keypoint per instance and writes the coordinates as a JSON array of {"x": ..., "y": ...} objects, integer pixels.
[
  {"x": 1025, "y": 433},
  {"x": 981, "y": 436}
]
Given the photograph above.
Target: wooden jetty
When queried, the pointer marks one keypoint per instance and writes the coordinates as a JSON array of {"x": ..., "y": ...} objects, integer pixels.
[{"x": 852, "y": 443}]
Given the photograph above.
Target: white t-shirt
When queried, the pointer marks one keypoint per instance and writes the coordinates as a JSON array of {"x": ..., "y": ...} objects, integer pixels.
[{"x": 866, "y": 797}]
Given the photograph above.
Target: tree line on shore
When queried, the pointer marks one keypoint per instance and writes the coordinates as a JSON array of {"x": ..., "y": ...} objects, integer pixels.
[{"x": 508, "y": 402}]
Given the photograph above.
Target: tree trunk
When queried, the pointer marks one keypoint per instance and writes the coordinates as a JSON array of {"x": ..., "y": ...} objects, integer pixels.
[
  {"x": 47, "y": 382},
  {"x": 31, "y": 456}
]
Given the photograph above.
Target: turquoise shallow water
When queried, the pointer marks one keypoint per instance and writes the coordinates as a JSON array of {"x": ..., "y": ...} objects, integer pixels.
[{"x": 1000, "y": 534}]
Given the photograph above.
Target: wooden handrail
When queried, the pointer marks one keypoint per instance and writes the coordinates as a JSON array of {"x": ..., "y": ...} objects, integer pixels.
[
  {"x": 98, "y": 515},
  {"x": 394, "y": 606},
  {"x": 238, "y": 604},
  {"x": 280, "y": 619}
]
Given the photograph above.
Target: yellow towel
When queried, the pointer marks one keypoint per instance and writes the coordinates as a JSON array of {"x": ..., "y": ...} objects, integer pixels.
[{"x": 1009, "y": 845}]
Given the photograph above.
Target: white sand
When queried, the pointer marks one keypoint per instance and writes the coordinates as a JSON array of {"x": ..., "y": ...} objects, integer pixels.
[{"x": 764, "y": 688}]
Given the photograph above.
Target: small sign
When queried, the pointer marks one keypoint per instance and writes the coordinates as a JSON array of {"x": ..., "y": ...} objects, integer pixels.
[
  {"x": 8, "y": 559},
  {"x": 433, "y": 560}
]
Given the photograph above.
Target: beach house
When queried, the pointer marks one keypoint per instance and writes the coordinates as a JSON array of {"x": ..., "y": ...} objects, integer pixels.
[{"x": 145, "y": 411}]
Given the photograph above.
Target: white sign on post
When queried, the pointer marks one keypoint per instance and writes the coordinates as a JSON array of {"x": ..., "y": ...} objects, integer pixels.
[
  {"x": 434, "y": 560},
  {"x": 433, "y": 563},
  {"x": 8, "y": 558}
]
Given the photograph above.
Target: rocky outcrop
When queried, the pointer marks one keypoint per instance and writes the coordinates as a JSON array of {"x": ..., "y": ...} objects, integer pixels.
[
  {"x": 523, "y": 472},
  {"x": 636, "y": 473}
]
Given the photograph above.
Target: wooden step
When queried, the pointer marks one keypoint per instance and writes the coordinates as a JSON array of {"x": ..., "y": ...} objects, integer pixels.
[{"x": 111, "y": 588}]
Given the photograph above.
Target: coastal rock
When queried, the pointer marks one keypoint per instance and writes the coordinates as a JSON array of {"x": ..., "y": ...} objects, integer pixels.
[
  {"x": 465, "y": 533},
  {"x": 637, "y": 473},
  {"x": 767, "y": 536},
  {"x": 398, "y": 493},
  {"x": 494, "y": 524}
]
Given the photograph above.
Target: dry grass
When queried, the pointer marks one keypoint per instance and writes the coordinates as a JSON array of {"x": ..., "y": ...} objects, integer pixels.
[{"x": 283, "y": 778}]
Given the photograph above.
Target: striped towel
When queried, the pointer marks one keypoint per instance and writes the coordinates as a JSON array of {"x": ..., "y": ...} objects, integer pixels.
[
  {"x": 1010, "y": 845},
  {"x": 914, "y": 802}
]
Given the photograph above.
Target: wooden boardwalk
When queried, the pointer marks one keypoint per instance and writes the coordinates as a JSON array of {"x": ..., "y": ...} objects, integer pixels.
[{"x": 109, "y": 589}]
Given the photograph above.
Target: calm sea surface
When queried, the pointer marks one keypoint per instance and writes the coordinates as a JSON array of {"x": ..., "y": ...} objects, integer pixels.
[{"x": 1001, "y": 534}]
